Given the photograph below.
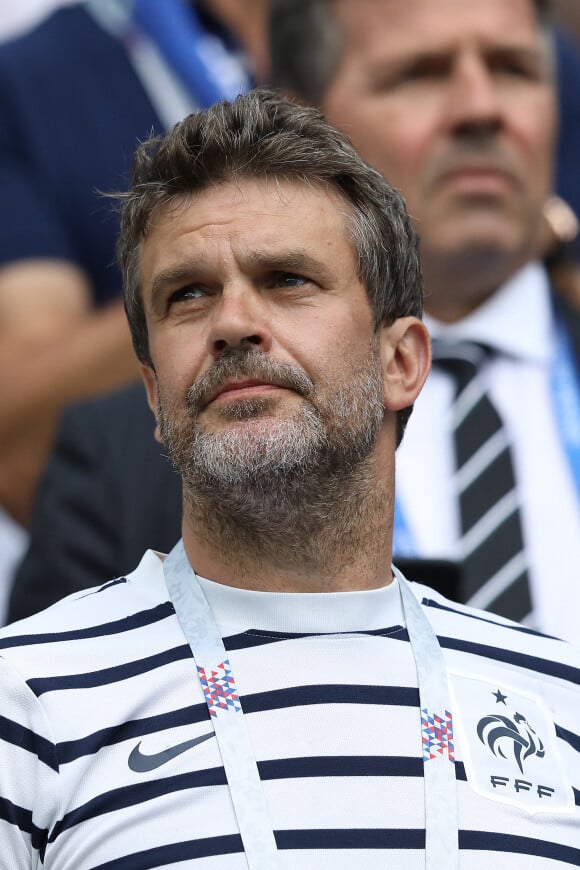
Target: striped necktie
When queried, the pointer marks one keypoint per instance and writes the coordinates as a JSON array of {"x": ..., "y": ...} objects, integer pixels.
[{"x": 494, "y": 565}]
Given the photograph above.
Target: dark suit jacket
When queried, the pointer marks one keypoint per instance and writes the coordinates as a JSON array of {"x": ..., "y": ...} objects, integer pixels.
[{"x": 108, "y": 493}]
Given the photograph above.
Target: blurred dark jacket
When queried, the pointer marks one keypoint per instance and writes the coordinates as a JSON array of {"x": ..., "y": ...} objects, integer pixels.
[{"x": 107, "y": 494}]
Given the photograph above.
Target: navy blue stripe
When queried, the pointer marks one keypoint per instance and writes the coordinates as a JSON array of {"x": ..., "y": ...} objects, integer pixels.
[
  {"x": 289, "y": 768},
  {"x": 301, "y": 696},
  {"x": 493, "y": 841},
  {"x": 70, "y": 750},
  {"x": 428, "y": 602},
  {"x": 41, "y": 685},
  {"x": 347, "y": 765},
  {"x": 22, "y": 819},
  {"x": 576, "y": 796},
  {"x": 368, "y": 838},
  {"x": 106, "y": 586},
  {"x": 262, "y": 701},
  {"x": 275, "y": 769},
  {"x": 343, "y": 838},
  {"x": 16, "y": 815},
  {"x": 132, "y": 795},
  {"x": 531, "y": 663},
  {"x": 248, "y": 640},
  {"x": 254, "y": 638},
  {"x": 352, "y": 838},
  {"x": 163, "y": 856},
  {"x": 119, "y": 626},
  {"x": 569, "y": 737},
  {"x": 26, "y": 739},
  {"x": 341, "y": 765}
]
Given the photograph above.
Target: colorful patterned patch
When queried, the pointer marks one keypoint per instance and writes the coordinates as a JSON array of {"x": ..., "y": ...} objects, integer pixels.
[
  {"x": 437, "y": 735},
  {"x": 219, "y": 689}
]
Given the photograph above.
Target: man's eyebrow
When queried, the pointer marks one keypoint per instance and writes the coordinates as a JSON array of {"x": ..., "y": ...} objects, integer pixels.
[
  {"x": 427, "y": 55},
  {"x": 287, "y": 261},
  {"x": 397, "y": 60},
  {"x": 180, "y": 273},
  {"x": 173, "y": 276}
]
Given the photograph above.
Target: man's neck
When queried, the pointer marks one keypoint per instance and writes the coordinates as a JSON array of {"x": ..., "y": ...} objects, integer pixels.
[
  {"x": 349, "y": 550},
  {"x": 455, "y": 290}
]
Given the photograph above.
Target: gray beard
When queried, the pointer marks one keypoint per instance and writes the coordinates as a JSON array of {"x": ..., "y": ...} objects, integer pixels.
[{"x": 278, "y": 488}]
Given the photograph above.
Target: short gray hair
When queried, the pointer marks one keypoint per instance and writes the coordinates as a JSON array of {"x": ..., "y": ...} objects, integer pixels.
[
  {"x": 264, "y": 135},
  {"x": 306, "y": 45}
]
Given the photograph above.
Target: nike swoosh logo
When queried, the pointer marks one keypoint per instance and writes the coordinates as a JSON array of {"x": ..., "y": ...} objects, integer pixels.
[{"x": 140, "y": 763}]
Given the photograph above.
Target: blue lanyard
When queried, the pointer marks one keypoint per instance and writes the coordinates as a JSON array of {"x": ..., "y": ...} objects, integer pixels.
[
  {"x": 206, "y": 64},
  {"x": 565, "y": 392},
  {"x": 203, "y": 61},
  {"x": 219, "y": 687},
  {"x": 403, "y": 539}
]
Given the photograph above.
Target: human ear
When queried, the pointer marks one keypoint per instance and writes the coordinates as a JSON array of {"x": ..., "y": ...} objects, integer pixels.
[
  {"x": 150, "y": 382},
  {"x": 406, "y": 358}
]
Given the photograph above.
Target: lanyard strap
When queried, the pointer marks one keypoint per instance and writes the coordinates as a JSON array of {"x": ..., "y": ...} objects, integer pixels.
[
  {"x": 180, "y": 66},
  {"x": 207, "y": 63},
  {"x": 441, "y": 821},
  {"x": 202, "y": 634},
  {"x": 200, "y": 629},
  {"x": 565, "y": 390}
]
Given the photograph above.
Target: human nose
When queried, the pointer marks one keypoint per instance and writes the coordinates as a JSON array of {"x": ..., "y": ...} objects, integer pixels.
[
  {"x": 474, "y": 103},
  {"x": 239, "y": 319}
]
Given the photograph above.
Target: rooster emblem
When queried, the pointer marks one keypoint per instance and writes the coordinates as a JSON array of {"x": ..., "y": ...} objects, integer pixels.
[{"x": 499, "y": 732}]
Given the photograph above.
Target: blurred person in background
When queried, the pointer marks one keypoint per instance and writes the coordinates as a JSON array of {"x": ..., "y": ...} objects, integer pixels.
[
  {"x": 564, "y": 258},
  {"x": 108, "y": 492},
  {"x": 456, "y": 104},
  {"x": 76, "y": 95},
  {"x": 18, "y": 16}
]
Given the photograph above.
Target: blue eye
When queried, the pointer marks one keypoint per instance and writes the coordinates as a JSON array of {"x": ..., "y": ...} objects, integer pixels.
[
  {"x": 289, "y": 279},
  {"x": 184, "y": 294}
]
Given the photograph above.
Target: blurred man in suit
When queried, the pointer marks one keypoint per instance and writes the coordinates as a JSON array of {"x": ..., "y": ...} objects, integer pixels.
[{"x": 455, "y": 103}]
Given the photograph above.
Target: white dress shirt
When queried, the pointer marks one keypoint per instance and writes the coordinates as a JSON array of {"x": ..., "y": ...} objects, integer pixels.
[{"x": 518, "y": 322}]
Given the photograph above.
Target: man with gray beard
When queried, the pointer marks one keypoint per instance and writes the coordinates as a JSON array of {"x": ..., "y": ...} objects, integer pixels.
[
  {"x": 273, "y": 693},
  {"x": 268, "y": 486}
]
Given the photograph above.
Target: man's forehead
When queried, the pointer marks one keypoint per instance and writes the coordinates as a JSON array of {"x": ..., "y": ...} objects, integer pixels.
[
  {"x": 259, "y": 217},
  {"x": 422, "y": 21},
  {"x": 222, "y": 203}
]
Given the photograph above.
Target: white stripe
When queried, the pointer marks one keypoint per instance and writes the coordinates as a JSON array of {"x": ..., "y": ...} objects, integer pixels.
[
  {"x": 481, "y": 459},
  {"x": 466, "y": 401},
  {"x": 489, "y": 522},
  {"x": 496, "y": 585}
]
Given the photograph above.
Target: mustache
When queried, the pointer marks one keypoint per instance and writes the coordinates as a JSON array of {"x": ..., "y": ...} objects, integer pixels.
[
  {"x": 475, "y": 152},
  {"x": 239, "y": 364}
]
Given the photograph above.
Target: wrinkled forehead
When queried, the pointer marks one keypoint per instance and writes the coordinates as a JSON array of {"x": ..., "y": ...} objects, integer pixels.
[
  {"x": 422, "y": 21},
  {"x": 250, "y": 215}
]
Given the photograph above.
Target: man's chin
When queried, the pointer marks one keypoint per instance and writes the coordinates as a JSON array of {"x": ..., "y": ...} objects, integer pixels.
[
  {"x": 482, "y": 227},
  {"x": 473, "y": 247}
]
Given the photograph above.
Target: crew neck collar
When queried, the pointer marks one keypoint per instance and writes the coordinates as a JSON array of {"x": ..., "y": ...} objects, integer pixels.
[{"x": 237, "y": 610}]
